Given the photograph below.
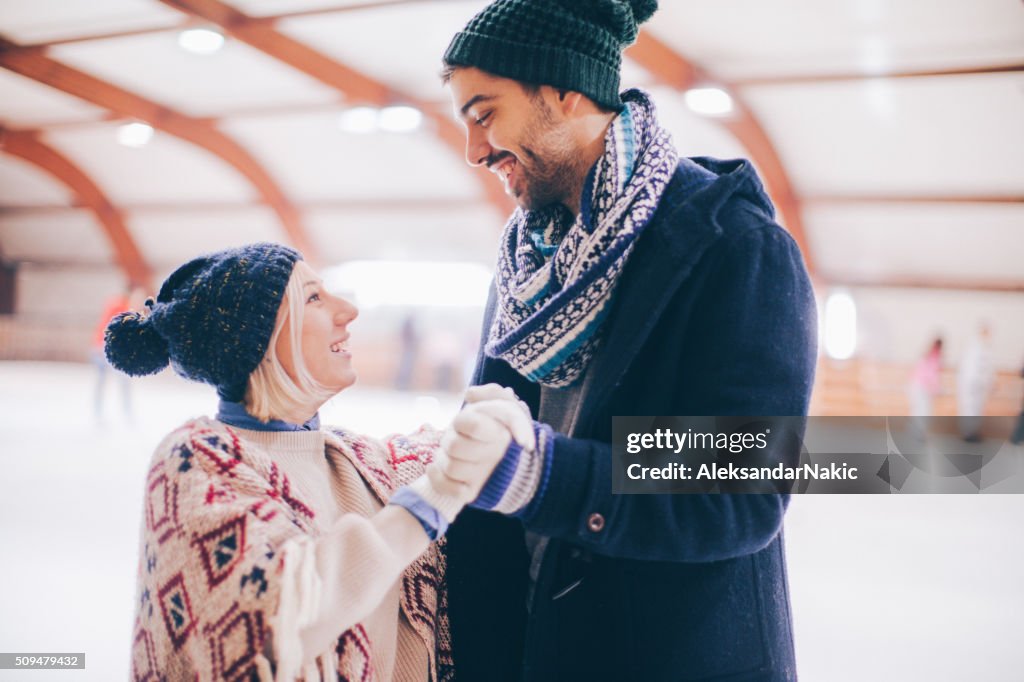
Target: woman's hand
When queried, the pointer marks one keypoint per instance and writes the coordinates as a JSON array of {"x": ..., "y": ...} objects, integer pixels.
[{"x": 484, "y": 392}]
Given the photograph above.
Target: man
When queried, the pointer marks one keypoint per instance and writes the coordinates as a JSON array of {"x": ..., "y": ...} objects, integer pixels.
[
  {"x": 974, "y": 383},
  {"x": 630, "y": 282}
]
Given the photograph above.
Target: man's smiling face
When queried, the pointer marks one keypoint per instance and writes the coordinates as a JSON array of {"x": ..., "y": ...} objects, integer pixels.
[{"x": 520, "y": 135}]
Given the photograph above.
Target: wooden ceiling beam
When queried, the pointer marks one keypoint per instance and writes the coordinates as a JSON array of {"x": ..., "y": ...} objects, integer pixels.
[
  {"x": 28, "y": 146},
  {"x": 357, "y": 87},
  {"x": 678, "y": 72},
  {"x": 35, "y": 64}
]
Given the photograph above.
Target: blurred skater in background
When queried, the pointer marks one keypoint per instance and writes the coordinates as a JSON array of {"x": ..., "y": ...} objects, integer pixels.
[
  {"x": 974, "y": 383},
  {"x": 924, "y": 387},
  {"x": 131, "y": 298}
]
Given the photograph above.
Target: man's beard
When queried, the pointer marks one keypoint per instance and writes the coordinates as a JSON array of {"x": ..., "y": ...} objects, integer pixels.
[
  {"x": 547, "y": 180},
  {"x": 554, "y": 173}
]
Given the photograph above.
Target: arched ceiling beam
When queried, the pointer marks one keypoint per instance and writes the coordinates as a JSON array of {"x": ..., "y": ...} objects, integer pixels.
[
  {"x": 36, "y": 65},
  {"x": 356, "y": 86},
  {"x": 28, "y": 146},
  {"x": 676, "y": 71}
]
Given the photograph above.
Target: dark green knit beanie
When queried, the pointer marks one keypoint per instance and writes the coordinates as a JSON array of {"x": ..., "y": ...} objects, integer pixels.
[{"x": 572, "y": 44}]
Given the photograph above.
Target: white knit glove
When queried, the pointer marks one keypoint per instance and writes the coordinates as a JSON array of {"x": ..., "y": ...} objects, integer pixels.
[
  {"x": 486, "y": 392},
  {"x": 470, "y": 450},
  {"x": 478, "y": 439}
]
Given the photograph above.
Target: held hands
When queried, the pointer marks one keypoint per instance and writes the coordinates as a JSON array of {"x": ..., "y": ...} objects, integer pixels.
[
  {"x": 478, "y": 438},
  {"x": 471, "y": 449}
]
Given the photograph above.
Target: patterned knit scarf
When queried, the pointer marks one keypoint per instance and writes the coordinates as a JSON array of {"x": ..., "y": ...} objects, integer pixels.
[{"x": 555, "y": 276}]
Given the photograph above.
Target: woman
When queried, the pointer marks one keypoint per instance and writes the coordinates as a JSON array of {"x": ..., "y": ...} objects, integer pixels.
[
  {"x": 273, "y": 548},
  {"x": 925, "y": 383}
]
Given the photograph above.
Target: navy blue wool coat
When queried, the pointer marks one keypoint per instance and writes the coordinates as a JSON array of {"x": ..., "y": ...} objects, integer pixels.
[{"x": 713, "y": 315}]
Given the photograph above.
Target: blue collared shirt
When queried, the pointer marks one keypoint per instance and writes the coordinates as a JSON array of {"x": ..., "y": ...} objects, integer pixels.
[{"x": 234, "y": 414}]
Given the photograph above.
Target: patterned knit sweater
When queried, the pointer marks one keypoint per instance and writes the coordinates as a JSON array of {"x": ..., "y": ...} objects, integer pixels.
[{"x": 249, "y": 573}]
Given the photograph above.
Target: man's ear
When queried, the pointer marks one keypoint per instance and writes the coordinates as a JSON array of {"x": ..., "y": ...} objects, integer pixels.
[{"x": 569, "y": 102}]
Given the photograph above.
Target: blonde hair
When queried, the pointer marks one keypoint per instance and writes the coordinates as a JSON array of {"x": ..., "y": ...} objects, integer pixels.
[{"x": 271, "y": 392}]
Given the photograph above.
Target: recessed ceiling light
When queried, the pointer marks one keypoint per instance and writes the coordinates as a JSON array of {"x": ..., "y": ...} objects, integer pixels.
[
  {"x": 134, "y": 135},
  {"x": 200, "y": 40},
  {"x": 709, "y": 101}
]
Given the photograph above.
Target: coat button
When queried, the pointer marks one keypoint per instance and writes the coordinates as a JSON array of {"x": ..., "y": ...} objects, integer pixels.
[{"x": 595, "y": 522}]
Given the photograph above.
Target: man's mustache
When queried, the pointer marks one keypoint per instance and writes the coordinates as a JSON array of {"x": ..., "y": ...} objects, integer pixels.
[{"x": 493, "y": 160}]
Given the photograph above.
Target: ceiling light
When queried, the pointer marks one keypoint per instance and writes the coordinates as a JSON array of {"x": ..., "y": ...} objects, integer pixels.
[
  {"x": 134, "y": 134},
  {"x": 709, "y": 101},
  {"x": 200, "y": 40},
  {"x": 359, "y": 120},
  {"x": 400, "y": 119}
]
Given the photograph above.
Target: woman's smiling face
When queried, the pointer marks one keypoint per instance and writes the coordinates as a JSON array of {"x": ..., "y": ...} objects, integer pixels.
[{"x": 324, "y": 335}]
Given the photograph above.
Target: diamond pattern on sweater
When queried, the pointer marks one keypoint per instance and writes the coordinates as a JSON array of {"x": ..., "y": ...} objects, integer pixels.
[
  {"x": 421, "y": 588},
  {"x": 281, "y": 488},
  {"x": 235, "y": 639},
  {"x": 144, "y": 665},
  {"x": 161, "y": 505},
  {"x": 224, "y": 455},
  {"x": 221, "y": 549},
  {"x": 354, "y": 654},
  {"x": 177, "y": 610}
]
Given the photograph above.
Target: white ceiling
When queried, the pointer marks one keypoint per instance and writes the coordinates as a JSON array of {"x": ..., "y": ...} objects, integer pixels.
[
  {"x": 315, "y": 161},
  {"x": 25, "y": 184},
  {"x": 930, "y": 136},
  {"x": 750, "y": 38},
  {"x": 867, "y": 242},
  {"x": 166, "y": 170},
  {"x": 419, "y": 34},
  {"x": 238, "y": 77},
  {"x": 27, "y": 104},
  {"x": 62, "y": 236},
  {"x": 42, "y": 21},
  {"x": 860, "y": 137}
]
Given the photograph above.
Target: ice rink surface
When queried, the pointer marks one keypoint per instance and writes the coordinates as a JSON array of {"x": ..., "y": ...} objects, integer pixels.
[{"x": 915, "y": 587}]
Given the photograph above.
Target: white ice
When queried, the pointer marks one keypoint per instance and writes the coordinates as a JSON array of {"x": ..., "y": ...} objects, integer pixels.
[{"x": 915, "y": 587}]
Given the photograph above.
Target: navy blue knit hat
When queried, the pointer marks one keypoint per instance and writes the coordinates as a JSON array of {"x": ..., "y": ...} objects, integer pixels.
[
  {"x": 212, "y": 320},
  {"x": 571, "y": 44}
]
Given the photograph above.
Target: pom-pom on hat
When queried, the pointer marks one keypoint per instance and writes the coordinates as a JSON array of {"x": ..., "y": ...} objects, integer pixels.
[
  {"x": 572, "y": 44},
  {"x": 212, "y": 320}
]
